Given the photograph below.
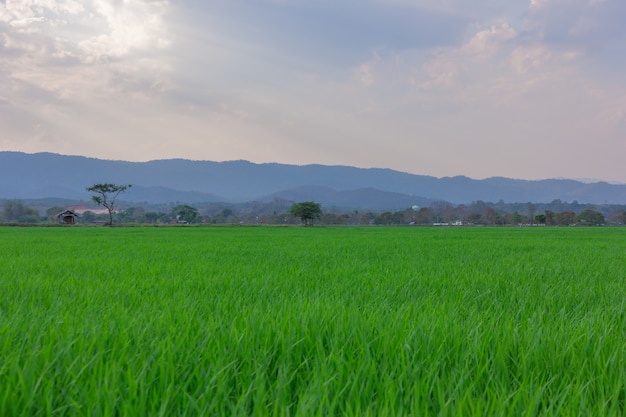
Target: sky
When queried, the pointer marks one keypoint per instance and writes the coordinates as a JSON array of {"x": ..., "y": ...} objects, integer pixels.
[{"x": 527, "y": 89}]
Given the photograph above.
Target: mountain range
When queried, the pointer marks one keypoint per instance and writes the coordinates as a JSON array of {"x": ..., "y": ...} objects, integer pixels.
[{"x": 45, "y": 175}]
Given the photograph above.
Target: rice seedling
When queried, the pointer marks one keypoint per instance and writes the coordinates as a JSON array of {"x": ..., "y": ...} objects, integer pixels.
[{"x": 315, "y": 321}]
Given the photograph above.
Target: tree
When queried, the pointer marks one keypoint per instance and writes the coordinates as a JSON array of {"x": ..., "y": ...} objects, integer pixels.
[
  {"x": 184, "y": 213},
  {"x": 565, "y": 218},
  {"x": 489, "y": 216},
  {"x": 384, "y": 218},
  {"x": 517, "y": 218},
  {"x": 531, "y": 212},
  {"x": 153, "y": 216},
  {"x": 591, "y": 218},
  {"x": 307, "y": 211},
  {"x": 131, "y": 215},
  {"x": 54, "y": 210},
  {"x": 618, "y": 216},
  {"x": 89, "y": 217},
  {"x": 107, "y": 195},
  {"x": 425, "y": 215},
  {"x": 15, "y": 211}
]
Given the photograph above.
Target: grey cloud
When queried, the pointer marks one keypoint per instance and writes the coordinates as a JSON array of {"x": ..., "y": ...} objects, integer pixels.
[
  {"x": 74, "y": 50},
  {"x": 579, "y": 22},
  {"x": 244, "y": 78},
  {"x": 339, "y": 31}
]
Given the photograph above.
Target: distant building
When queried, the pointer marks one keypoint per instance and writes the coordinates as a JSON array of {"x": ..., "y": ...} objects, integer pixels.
[{"x": 67, "y": 217}]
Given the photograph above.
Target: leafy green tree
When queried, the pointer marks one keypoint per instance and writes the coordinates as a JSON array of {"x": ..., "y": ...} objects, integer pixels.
[
  {"x": 89, "y": 217},
  {"x": 107, "y": 194},
  {"x": 153, "y": 216},
  {"x": 227, "y": 215},
  {"x": 384, "y": 218},
  {"x": 185, "y": 213},
  {"x": 14, "y": 211},
  {"x": 51, "y": 213},
  {"x": 540, "y": 218},
  {"x": 54, "y": 210},
  {"x": 132, "y": 215},
  {"x": 591, "y": 218},
  {"x": 307, "y": 211},
  {"x": 517, "y": 218},
  {"x": 388, "y": 217}
]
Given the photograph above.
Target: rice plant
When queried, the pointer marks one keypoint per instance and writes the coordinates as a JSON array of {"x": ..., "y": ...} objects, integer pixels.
[{"x": 316, "y": 321}]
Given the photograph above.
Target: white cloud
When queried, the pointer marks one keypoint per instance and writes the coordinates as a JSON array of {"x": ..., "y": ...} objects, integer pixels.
[
  {"x": 538, "y": 3},
  {"x": 137, "y": 25},
  {"x": 366, "y": 74},
  {"x": 74, "y": 48},
  {"x": 463, "y": 64},
  {"x": 531, "y": 57},
  {"x": 487, "y": 42},
  {"x": 429, "y": 86},
  {"x": 537, "y": 58}
]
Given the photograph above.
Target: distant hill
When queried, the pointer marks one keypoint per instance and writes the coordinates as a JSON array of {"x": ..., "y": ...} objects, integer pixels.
[{"x": 43, "y": 175}]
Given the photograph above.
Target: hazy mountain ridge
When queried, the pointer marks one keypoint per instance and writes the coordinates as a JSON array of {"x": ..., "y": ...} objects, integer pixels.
[{"x": 43, "y": 175}]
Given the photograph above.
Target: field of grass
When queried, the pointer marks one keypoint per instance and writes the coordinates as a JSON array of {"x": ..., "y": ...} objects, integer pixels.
[{"x": 241, "y": 321}]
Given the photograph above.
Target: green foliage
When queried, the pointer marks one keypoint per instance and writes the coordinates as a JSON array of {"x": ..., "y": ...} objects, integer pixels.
[
  {"x": 591, "y": 218},
  {"x": 14, "y": 211},
  {"x": 54, "y": 210},
  {"x": 307, "y": 211},
  {"x": 185, "y": 213},
  {"x": 154, "y": 217},
  {"x": 372, "y": 321},
  {"x": 90, "y": 217},
  {"x": 387, "y": 218},
  {"x": 106, "y": 195}
]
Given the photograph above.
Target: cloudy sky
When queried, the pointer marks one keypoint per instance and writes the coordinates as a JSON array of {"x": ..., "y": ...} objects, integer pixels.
[{"x": 519, "y": 88}]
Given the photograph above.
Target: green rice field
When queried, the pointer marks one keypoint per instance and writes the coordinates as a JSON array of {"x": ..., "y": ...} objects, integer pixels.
[{"x": 293, "y": 321}]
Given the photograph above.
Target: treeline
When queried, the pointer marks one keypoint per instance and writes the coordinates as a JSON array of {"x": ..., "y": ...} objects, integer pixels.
[
  {"x": 556, "y": 213},
  {"x": 488, "y": 215}
]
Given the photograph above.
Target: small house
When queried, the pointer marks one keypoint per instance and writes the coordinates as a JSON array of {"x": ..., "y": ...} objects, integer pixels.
[{"x": 67, "y": 217}]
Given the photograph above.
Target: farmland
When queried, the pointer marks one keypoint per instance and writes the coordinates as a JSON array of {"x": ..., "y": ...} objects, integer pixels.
[{"x": 295, "y": 321}]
